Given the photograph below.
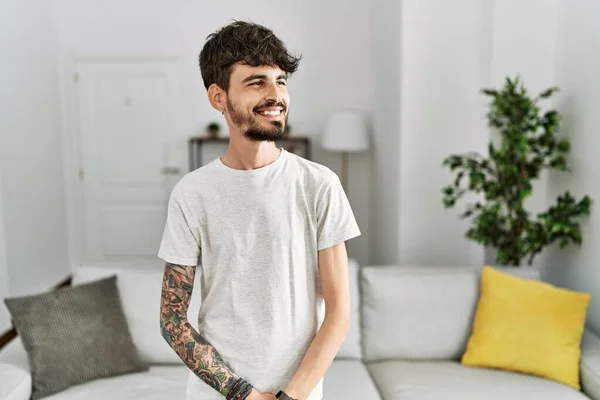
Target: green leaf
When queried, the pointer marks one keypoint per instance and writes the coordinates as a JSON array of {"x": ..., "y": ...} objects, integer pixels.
[
  {"x": 523, "y": 145},
  {"x": 459, "y": 176},
  {"x": 449, "y": 203},
  {"x": 559, "y": 162},
  {"x": 490, "y": 92},
  {"x": 220, "y": 376},
  {"x": 548, "y": 92},
  {"x": 526, "y": 191},
  {"x": 466, "y": 214},
  {"x": 563, "y": 146}
]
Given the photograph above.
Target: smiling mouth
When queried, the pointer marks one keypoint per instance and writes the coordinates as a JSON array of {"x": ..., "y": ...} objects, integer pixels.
[{"x": 270, "y": 113}]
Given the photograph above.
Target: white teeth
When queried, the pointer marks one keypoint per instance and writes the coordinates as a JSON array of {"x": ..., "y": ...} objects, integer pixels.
[{"x": 275, "y": 112}]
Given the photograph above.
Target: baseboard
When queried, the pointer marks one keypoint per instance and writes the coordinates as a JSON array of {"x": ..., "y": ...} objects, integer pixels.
[{"x": 10, "y": 334}]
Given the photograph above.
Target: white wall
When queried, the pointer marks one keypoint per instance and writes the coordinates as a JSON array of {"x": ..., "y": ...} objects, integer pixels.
[
  {"x": 577, "y": 64},
  {"x": 339, "y": 76},
  {"x": 386, "y": 55},
  {"x": 334, "y": 72},
  {"x": 445, "y": 61},
  {"x": 30, "y": 148},
  {"x": 4, "y": 315}
]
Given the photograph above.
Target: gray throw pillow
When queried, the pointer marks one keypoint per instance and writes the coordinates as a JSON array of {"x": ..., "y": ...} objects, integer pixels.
[{"x": 74, "y": 335}]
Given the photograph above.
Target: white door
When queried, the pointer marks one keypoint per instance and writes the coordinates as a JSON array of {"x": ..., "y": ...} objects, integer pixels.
[{"x": 128, "y": 128}]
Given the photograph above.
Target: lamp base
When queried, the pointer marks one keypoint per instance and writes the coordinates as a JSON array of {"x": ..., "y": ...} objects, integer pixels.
[{"x": 345, "y": 171}]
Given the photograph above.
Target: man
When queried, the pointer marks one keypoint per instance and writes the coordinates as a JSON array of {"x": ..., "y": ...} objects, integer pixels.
[{"x": 268, "y": 228}]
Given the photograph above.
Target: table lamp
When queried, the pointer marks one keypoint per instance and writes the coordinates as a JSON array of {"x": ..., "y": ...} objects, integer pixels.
[{"x": 345, "y": 132}]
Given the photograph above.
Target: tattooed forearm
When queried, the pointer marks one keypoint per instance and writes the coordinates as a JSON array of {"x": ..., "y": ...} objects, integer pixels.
[{"x": 199, "y": 355}]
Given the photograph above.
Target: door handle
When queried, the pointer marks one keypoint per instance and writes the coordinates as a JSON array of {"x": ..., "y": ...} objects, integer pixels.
[{"x": 170, "y": 170}]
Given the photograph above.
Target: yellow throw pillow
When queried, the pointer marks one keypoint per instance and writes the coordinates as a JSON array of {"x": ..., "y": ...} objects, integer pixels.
[{"x": 527, "y": 326}]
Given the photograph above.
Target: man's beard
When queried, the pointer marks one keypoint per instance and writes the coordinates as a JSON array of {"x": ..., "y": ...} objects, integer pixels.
[{"x": 255, "y": 131}]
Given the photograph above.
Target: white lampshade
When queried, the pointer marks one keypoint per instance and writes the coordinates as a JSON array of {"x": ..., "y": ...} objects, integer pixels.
[{"x": 345, "y": 131}]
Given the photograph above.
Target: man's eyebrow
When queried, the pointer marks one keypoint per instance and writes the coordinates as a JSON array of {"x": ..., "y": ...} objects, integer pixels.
[
  {"x": 262, "y": 76},
  {"x": 254, "y": 76}
]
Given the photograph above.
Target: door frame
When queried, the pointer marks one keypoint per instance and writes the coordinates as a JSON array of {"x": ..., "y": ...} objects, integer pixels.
[{"x": 72, "y": 162}]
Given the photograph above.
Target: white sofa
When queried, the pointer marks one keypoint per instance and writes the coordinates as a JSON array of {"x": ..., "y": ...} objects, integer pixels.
[{"x": 410, "y": 325}]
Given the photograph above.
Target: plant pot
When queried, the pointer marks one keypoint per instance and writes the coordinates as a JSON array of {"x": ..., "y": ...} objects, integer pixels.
[
  {"x": 213, "y": 134},
  {"x": 521, "y": 271}
]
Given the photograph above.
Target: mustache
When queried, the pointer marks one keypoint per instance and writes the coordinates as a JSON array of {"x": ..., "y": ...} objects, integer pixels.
[{"x": 271, "y": 103}]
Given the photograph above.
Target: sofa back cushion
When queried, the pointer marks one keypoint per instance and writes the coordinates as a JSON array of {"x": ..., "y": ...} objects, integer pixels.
[
  {"x": 417, "y": 312},
  {"x": 140, "y": 286},
  {"x": 351, "y": 347}
]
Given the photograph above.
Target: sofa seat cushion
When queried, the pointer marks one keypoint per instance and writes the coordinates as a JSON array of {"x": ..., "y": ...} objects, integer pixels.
[
  {"x": 159, "y": 382},
  {"x": 349, "y": 380},
  {"x": 442, "y": 380},
  {"x": 15, "y": 376},
  {"x": 15, "y": 382}
]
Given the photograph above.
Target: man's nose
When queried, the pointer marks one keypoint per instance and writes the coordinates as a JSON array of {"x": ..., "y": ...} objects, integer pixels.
[{"x": 273, "y": 93}]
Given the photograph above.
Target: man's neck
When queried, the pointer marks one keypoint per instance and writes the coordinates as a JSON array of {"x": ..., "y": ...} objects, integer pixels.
[{"x": 250, "y": 155}]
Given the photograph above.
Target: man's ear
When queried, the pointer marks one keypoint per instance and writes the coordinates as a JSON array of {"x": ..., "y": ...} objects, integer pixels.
[{"x": 217, "y": 97}]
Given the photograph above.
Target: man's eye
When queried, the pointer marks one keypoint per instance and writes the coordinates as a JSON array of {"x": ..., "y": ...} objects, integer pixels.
[
  {"x": 256, "y": 83},
  {"x": 282, "y": 83}
]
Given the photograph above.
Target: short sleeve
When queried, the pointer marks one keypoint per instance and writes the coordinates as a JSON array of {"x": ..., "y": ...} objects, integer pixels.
[
  {"x": 335, "y": 219},
  {"x": 180, "y": 242}
]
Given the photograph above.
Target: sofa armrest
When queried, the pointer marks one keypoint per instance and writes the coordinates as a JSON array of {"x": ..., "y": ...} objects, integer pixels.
[
  {"x": 15, "y": 382},
  {"x": 590, "y": 365}
]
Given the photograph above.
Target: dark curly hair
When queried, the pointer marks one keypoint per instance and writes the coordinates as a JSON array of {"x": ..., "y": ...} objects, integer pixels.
[{"x": 244, "y": 42}]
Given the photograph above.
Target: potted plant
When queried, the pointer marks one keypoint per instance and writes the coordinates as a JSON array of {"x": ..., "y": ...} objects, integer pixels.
[
  {"x": 503, "y": 180},
  {"x": 213, "y": 129}
]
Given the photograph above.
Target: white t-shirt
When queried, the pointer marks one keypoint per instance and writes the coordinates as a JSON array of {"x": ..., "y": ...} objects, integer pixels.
[{"x": 256, "y": 235}]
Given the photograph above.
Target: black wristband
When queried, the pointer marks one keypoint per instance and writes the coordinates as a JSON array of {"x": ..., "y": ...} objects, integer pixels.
[
  {"x": 283, "y": 396},
  {"x": 246, "y": 392},
  {"x": 240, "y": 390}
]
